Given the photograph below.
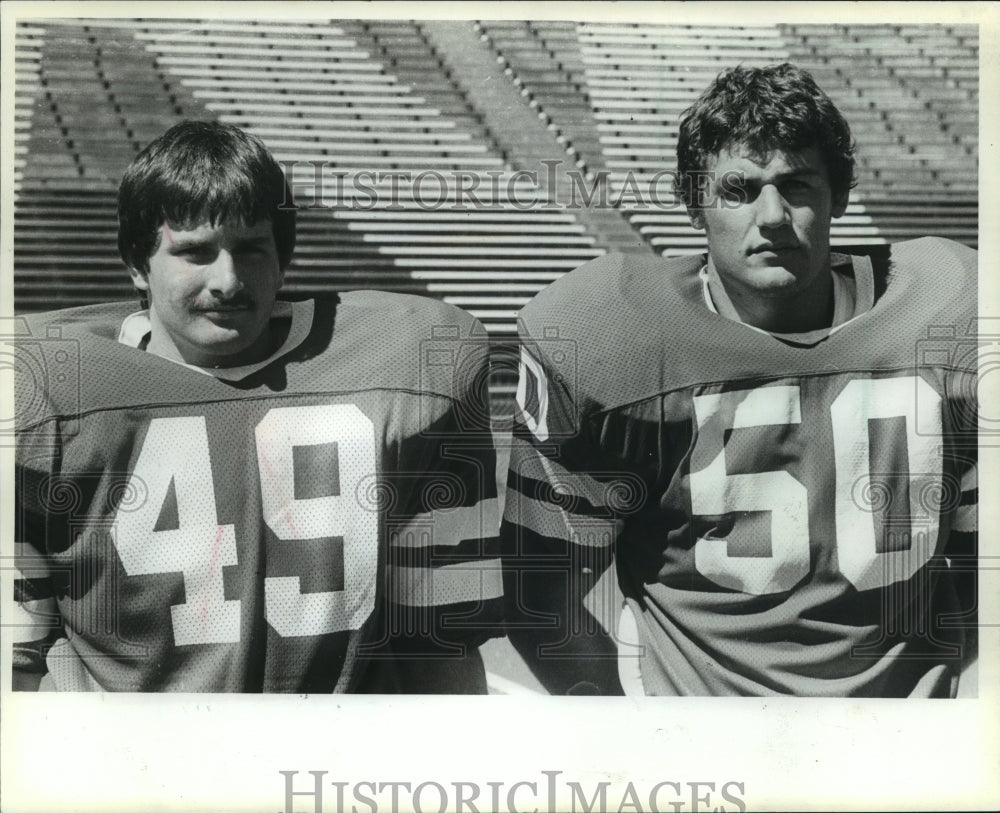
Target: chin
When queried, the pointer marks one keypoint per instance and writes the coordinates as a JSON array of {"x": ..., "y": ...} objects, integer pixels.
[
  {"x": 225, "y": 343},
  {"x": 776, "y": 278},
  {"x": 770, "y": 259}
]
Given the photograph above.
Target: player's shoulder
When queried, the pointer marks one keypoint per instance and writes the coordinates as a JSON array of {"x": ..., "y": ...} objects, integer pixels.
[
  {"x": 933, "y": 285},
  {"x": 933, "y": 278},
  {"x": 614, "y": 310},
  {"x": 99, "y": 320},
  {"x": 404, "y": 317},
  {"x": 60, "y": 355},
  {"x": 400, "y": 341},
  {"x": 930, "y": 255},
  {"x": 608, "y": 293},
  {"x": 607, "y": 287}
]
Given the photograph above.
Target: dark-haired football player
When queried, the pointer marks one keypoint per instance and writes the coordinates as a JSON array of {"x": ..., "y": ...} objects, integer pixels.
[
  {"x": 775, "y": 442},
  {"x": 242, "y": 493}
]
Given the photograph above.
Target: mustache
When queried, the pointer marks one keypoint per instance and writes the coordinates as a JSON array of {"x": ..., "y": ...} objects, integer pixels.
[{"x": 235, "y": 303}]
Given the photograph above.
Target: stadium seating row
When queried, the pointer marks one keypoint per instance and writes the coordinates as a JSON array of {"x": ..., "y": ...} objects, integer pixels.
[{"x": 341, "y": 100}]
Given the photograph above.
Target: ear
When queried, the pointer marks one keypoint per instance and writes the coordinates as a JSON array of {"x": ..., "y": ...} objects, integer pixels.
[
  {"x": 139, "y": 279},
  {"x": 840, "y": 204},
  {"x": 697, "y": 217}
]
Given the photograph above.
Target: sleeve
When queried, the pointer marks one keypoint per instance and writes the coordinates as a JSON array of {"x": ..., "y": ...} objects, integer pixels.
[
  {"x": 35, "y": 623},
  {"x": 558, "y": 530},
  {"x": 444, "y": 581}
]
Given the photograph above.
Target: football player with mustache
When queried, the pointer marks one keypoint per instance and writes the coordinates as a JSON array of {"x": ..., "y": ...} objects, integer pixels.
[{"x": 231, "y": 491}]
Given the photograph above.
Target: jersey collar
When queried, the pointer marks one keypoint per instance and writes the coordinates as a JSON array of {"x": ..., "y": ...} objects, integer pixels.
[
  {"x": 853, "y": 295},
  {"x": 135, "y": 330}
]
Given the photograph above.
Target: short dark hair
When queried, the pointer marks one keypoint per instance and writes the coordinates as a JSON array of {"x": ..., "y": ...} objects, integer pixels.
[
  {"x": 775, "y": 107},
  {"x": 202, "y": 170}
]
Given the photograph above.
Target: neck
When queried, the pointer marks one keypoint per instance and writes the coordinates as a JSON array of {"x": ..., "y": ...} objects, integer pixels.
[{"x": 799, "y": 312}]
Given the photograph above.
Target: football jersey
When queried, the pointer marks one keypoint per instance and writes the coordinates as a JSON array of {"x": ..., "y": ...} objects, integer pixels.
[
  {"x": 786, "y": 517},
  {"x": 286, "y": 531}
]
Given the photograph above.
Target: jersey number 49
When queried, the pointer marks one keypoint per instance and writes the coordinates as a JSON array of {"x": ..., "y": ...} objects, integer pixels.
[{"x": 175, "y": 455}]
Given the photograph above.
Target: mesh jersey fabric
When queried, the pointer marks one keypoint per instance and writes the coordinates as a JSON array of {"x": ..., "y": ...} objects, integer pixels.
[
  {"x": 282, "y": 532},
  {"x": 785, "y": 518}
]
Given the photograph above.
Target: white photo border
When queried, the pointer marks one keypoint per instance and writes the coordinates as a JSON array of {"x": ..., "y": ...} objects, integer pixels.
[{"x": 226, "y": 753}]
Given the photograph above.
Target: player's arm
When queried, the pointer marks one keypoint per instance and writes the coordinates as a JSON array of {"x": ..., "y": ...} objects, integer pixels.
[
  {"x": 35, "y": 623},
  {"x": 444, "y": 566},
  {"x": 557, "y": 539}
]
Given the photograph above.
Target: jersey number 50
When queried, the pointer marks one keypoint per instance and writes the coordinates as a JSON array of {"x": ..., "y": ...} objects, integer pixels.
[
  {"x": 176, "y": 451},
  {"x": 715, "y": 492}
]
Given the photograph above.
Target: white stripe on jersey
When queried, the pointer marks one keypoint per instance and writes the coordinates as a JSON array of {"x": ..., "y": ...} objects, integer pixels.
[
  {"x": 448, "y": 526},
  {"x": 546, "y": 519},
  {"x": 32, "y": 621},
  {"x": 531, "y": 463},
  {"x": 29, "y": 563},
  {"x": 477, "y": 581},
  {"x": 554, "y": 519}
]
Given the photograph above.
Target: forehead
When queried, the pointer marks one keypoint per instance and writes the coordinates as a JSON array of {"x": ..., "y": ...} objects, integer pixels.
[
  {"x": 204, "y": 230},
  {"x": 771, "y": 163}
]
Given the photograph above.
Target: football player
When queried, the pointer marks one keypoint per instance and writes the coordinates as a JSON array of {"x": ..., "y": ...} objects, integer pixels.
[
  {"x": 774, "y": 442},
  {"x": 230, "y": 491}
]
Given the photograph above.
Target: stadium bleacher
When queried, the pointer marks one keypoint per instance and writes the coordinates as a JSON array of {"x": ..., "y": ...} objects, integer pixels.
[
  {"x": 339, "y": 100},
  {"x": 320, "y": 96}
]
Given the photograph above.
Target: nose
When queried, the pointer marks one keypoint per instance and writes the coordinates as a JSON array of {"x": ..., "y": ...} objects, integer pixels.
[
  {"x": 771, "y": 209},
  {"x": 223, "y": 281}
]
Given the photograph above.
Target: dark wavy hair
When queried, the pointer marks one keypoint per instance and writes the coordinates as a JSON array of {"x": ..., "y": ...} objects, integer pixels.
[
  {"x": 202, "y": 170},
  {"x": 775, "y": 107}
]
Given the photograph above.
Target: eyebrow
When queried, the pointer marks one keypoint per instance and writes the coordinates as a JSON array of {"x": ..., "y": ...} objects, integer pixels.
[
  {"x": 186, "y": 243},
  {"x": 801, "y": 172}
]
